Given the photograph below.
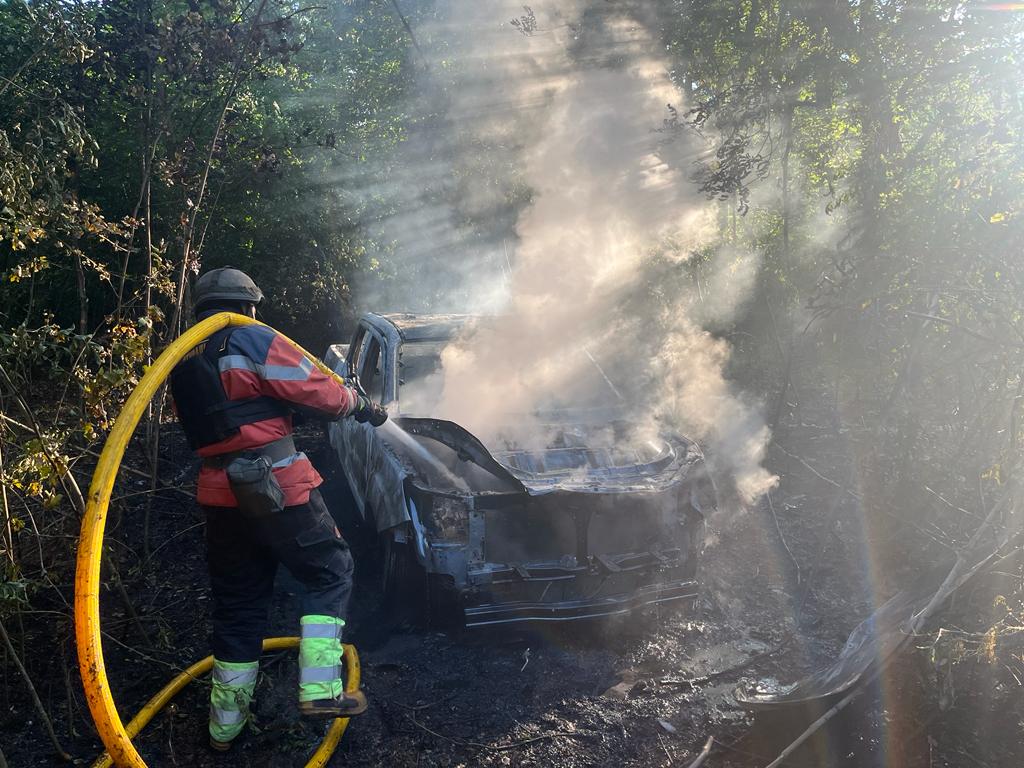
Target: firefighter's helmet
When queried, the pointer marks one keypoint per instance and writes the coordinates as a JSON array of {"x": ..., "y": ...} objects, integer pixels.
[{"x": 225, "y": 285}]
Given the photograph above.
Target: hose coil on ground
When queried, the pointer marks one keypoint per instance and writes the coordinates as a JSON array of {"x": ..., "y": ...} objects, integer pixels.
[{"x": 116, "y": 738}]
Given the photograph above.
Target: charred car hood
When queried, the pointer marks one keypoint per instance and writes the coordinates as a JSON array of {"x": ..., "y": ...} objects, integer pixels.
[{"x": 579, "y": 458}]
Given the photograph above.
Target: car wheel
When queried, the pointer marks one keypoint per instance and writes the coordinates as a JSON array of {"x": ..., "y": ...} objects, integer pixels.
[
  {"x": 341, "y": 502},
  {"x": 404, "y": 582}
]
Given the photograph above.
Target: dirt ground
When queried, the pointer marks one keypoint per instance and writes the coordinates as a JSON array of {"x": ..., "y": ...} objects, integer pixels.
[{"x": 782, "y": 587}]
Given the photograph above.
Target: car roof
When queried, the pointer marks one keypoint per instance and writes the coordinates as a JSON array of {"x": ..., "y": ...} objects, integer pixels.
[{"x": 426, "y": 327}]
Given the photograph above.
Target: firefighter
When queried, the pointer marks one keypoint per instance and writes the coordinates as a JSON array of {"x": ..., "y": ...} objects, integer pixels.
[{"x": 235, "y": 397}]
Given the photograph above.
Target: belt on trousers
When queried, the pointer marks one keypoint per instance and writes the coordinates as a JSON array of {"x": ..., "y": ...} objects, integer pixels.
[{"x": 273, "y": 452}]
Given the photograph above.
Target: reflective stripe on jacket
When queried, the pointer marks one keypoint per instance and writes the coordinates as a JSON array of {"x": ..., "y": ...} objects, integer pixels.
[{"x": 258, "y": 361}]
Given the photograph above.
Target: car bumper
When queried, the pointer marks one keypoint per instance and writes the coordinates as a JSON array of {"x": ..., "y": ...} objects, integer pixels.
[{"x": 491, "y": 614}]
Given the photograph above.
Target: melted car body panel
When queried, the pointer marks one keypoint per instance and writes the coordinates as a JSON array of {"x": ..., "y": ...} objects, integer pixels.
[{"x": 580, "y": 528}]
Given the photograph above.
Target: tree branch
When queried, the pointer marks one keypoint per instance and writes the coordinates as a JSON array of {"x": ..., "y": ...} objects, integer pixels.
[{"x": 43, "y": 714}]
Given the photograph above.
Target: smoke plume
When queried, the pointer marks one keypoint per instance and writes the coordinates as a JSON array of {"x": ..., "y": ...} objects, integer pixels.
[{"x": 585, "y": 247}]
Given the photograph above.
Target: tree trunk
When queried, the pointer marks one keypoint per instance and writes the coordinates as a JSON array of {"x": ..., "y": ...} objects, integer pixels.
[
  {"x": 149, "y": 141},
  {"x": 83, "y": 296},
  {"x": 187, "y": 254},
  {"x": 8, "y": 525},
  {"x": 147, "y": 195},
  {"x": 752, "y": 19},
  {"x": 787, "y": 131}
]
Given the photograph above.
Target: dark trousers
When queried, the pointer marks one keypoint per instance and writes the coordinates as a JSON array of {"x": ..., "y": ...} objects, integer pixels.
[{"x": 243, "y": 553}]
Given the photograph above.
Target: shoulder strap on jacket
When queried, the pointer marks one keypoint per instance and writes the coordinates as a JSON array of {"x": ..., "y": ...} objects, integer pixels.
[{"x": 217, "y": 344}]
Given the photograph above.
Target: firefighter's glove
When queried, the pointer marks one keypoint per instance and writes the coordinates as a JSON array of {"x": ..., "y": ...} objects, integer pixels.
[{"x": 369, "y": 411}]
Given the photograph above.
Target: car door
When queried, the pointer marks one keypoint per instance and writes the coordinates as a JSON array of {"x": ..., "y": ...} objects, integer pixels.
[
  {"x": 366, "y": 357},
  {"x": 351, "y": 451}
]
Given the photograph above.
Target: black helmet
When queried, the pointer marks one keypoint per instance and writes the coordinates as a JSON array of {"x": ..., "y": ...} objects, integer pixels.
[{"x": 226, "y": 285}]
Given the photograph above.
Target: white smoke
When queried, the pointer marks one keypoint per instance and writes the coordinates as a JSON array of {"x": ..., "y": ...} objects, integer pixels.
[{"x": 595, "y": 272}]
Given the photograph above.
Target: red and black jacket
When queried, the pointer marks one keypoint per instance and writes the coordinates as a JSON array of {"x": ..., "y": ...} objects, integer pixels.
[{"x": 265, "y": 380}]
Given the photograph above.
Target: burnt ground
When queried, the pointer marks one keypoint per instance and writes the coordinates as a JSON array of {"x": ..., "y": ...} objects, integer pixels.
[{"x": 778, "y": 600}]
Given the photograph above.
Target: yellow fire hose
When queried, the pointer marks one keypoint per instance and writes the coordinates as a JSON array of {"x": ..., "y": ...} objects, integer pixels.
[
  {"x": 116, "y": 738},
  {"x": 201, "y": 667}
]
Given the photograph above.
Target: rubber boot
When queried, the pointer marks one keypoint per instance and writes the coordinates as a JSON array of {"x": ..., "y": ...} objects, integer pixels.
[
  {"x": 234, "y": 683},
  {"x": 321, "y": 687}
]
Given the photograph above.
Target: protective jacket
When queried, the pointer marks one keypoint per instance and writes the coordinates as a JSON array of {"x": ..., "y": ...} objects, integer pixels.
[{"x": 254, "y": 362}]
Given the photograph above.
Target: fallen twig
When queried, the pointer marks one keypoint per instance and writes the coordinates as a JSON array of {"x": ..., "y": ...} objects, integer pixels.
[
  {"x": 95, "y": 455},
  {"x": 153, "y": 481},
  {"x": 175, "y": 668},
  {"x": 858, "y": 497},
  {"x": 962, "y": 329},
  {"x": 813, "y": 727},
  {"x": 703, "y": 753},
  {"x": 168, "y": 540},
  {"x": 541, "y": 737},
  {"x": 731, "y": 747},
  {"x": 782, "y": 538},
  {"x": 956, "y": 577},
  {"x": 664, "y": 746},
  {"x": 499, "y": 747},
  {"x": 428, "y": 705},
  {"x": 171, "y": 711},
  {"x": 132, "y": 494},
  {"x": 435, "y": 734},
  {"x": 43, "y": 714},
  {"x": 818, "y": 474},
  {"x": 64, "y": 476},
  {"x": 127, "y": 602}
]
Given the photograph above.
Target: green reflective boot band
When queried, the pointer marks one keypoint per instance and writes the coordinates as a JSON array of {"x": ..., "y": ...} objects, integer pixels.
[
  {"x": 320, "y": 658},
  {"x": 314, "y": 619},
  {"x": 233, "y": 685}
]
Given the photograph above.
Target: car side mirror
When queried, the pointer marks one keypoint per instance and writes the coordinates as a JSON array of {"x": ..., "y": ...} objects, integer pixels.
[{"x": 337, "y": 359}]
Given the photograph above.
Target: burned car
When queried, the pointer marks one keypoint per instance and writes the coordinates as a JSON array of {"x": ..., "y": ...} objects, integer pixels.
[{"x": 495, "y": 534}]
